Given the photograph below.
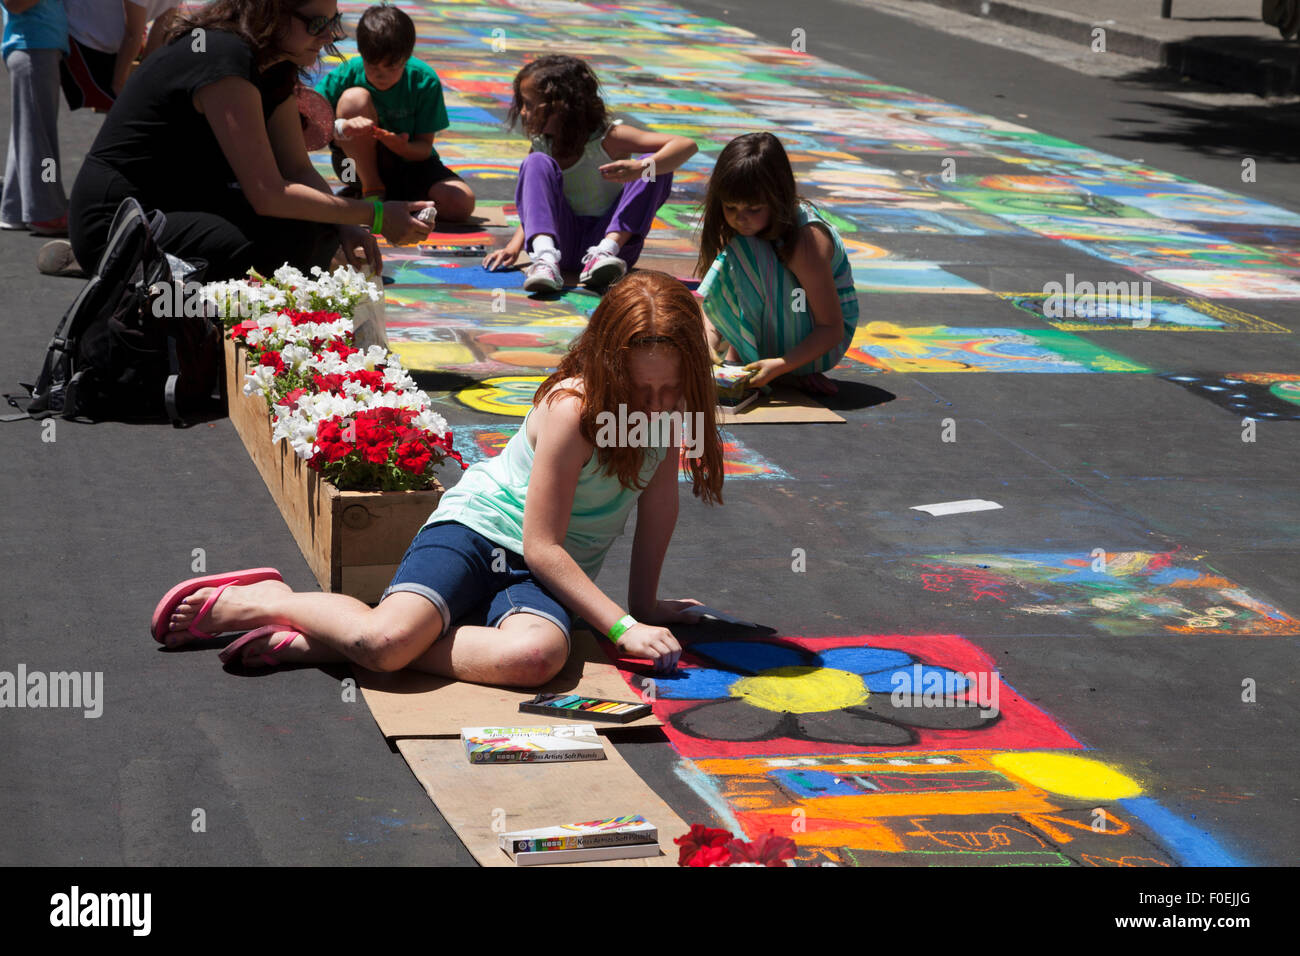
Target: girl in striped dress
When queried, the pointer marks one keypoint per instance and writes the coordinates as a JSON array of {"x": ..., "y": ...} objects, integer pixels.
[{"x": 777, "y": 286}]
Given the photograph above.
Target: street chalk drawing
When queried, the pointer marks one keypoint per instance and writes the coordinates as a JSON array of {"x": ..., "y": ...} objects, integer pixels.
[
  {"x": 1119, "y": 593},
  {"x": 481, "y": 442},
  {"x": 1013, "y": 790},
  {"x": 1263, "y": 396},
  {"x": 938, "y": 348},
  {"x": 951, "y": 808},
  {"x": 804, "y": 695},
  {"x": 1107, "y": 312}
]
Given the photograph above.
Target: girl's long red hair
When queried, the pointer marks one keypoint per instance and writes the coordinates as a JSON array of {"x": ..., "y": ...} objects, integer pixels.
[{"x": 643, "y": 305}]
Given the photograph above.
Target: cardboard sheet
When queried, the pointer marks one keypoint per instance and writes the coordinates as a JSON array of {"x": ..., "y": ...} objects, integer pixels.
[
  {"x": 783, "y": 406},
  {"x": 411, "y": 704},
  {"x": 482, "y": 801}
]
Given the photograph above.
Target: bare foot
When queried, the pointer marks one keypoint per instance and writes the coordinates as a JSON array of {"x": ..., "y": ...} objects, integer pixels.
[{"x": 240, "y": 608}]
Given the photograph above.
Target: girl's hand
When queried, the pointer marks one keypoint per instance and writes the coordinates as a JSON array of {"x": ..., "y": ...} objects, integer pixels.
[
  {"x": 623, "y": 170},
  {"x": 765, "y": 370},
  {"x": 673, "y": 612},
  {"x": 401, "y": 228},
  {"x": 655, "y": 643},
  {"x": 360, "y": 248},
  {"x": 501, "y": 258}
]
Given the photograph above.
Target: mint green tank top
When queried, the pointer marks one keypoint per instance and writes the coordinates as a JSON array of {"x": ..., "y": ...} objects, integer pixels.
[
  {"x": 490, "y": 499},
  {"x": 588, "y": 192}
]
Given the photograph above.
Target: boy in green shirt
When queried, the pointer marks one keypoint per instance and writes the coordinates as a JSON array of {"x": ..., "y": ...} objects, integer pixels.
[{"x": 389, "y": 107}]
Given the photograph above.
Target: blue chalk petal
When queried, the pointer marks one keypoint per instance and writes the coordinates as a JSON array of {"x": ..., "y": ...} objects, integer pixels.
[
  {"x": 694, "y": 683},
  {"x": 882, "y": 682},
  {"x": 864, "y": 660}
]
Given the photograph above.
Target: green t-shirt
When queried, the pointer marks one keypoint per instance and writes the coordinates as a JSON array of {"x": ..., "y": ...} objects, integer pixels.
[{"x": 411, "y": 105}]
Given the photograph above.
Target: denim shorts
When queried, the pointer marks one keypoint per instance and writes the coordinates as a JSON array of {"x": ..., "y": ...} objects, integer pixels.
[{"x": 452, "y": 566}]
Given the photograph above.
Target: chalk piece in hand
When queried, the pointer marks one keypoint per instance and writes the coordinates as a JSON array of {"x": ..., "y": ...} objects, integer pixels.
[{"x": 427, "y": 215}]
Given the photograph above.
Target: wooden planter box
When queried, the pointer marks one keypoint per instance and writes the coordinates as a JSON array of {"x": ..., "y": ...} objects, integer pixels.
[{"x": 352, "y": 540}]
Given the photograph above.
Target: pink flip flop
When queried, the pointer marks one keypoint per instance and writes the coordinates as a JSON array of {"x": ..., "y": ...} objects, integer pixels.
[
  {"x": 231, "y": 651},
  {"x": 163, "y": 612}
]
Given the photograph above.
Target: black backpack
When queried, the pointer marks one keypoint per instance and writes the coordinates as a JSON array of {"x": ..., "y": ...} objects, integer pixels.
[{"x": 125, "y": 349}]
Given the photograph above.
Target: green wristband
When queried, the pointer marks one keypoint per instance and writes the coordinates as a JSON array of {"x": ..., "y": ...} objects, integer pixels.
[
  {"x": 624, "y": 622},
  {"x": 377, "y": 223}
]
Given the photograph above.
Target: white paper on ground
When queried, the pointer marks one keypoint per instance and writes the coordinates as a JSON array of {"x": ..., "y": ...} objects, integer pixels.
[{"x": 957, "y": 507}]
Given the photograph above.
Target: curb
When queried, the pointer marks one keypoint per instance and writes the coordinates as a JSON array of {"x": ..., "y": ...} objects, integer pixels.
[{"x": 1241, "y": 64}]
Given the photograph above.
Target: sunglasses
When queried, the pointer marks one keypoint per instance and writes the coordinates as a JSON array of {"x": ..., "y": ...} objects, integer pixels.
[{"x": 320, "y": 24}]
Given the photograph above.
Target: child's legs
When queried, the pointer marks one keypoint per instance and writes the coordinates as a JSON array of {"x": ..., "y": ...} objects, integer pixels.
[
  {"x": 360, "y": 147},
  {"x": 33, "y": 188},
  {"x": 543, "y": 210},
  {"x": 454, "y": 198},
  {"x": 741, "y": 294},
  {"x": 522, "y": 651},
  {"x": 634, "y": 213}
]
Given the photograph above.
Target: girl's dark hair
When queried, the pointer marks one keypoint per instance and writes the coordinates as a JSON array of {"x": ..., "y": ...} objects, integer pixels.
[
  {"x": 385, "y": 35},
  {"x": 568, "y": 89},
  {"x": 751, "y": 170},
  {"x": 643, "y": 310},
  {"x": 260, "y": 23}
]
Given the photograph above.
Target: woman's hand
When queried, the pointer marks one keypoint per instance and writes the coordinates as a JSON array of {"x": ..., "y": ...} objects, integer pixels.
[
  {"x": 401, "y": 228},
  {"x": 502, "y": 258},
  {"x": 623, "y": 170},
  {"x": 356, "y": 126},
  {"x": 657, "y": 644},
  {"x": 360, "y": 248},
  {"x": 764, "y": 371}
]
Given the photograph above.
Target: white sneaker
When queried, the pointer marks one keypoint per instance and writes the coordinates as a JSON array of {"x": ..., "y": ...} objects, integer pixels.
[
  {"x": 599, "y": 269},
  {"x": 543, "y": 276},
  {"x": 8, "y": 226}
]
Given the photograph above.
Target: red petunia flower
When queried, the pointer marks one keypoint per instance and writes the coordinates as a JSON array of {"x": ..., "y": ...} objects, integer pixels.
[
  {"x": 700, "y": 837},
  {"x": 769, "y": 849}
]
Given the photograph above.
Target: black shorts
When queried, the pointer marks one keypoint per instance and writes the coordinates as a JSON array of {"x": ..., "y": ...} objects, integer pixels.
[
  {"x": 87, "y": 77},
  {"x": 403, "y": 179}
]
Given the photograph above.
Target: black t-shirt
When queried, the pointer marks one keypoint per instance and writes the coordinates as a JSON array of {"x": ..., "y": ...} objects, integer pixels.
[{"x": 156, "y": 140}]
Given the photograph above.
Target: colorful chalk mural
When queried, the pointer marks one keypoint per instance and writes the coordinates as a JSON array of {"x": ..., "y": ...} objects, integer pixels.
[
  {"x": 937, "y": 348},
  {"x": 1263, "y": 396},
  {"x": 1120, "y": 593},
  {"x": 791, "y": 734},
  {"x": 902, "y": 750},
  {"x": 481, "y": 442}
]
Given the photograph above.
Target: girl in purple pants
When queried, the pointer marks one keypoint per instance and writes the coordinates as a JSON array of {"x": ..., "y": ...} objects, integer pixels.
[{"x": 583, "y": 199}]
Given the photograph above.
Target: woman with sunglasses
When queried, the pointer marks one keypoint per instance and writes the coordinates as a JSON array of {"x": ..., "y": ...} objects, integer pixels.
[{"x": 207, "y": 131}]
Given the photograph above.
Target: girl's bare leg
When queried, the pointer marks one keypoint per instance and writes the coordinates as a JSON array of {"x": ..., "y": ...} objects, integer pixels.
[{"x": 525, "y": 650}]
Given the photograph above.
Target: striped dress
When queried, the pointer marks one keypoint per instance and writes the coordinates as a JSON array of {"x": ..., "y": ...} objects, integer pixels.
[{"x": 749, "y": 297}]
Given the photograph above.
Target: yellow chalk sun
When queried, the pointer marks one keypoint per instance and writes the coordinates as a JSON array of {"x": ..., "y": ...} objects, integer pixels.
[
  {"x": 802, "y": 690},
  {"x": 1068, "y": 775}
]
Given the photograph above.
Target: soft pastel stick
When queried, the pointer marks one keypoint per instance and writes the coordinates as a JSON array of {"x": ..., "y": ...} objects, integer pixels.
[{"x": 562, "y": 701}]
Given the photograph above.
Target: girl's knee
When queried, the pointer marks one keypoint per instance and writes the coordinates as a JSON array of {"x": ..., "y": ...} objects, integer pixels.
[
  {"x": 394, "y": 636},
  {"x": 538, "y": 650}
]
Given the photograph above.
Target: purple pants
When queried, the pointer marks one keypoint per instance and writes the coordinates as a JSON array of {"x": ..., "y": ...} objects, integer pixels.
[{"x": 543, "y": 210}]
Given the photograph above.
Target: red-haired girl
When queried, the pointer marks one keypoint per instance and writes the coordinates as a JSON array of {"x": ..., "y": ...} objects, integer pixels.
[{"x": 485, "y": 591}]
